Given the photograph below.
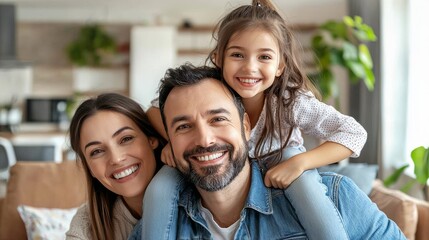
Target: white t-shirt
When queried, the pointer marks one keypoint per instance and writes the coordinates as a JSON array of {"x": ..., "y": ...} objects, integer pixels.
[{"x": 218, "y": 232}]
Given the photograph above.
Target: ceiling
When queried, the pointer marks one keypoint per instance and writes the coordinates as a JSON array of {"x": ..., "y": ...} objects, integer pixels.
[{"x": 134, "y": 10}]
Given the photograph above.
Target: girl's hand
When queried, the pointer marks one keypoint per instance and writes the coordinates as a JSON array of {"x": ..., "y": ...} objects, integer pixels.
[
  {"x": 167, "y": 156},
  {"x": 283, "y": 174}
]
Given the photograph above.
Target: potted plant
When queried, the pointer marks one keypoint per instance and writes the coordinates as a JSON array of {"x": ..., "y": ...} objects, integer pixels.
[
  {"x": 91, "y": 53},
  {"x": 420, "y": 157},
  {"x": 91, "y": 46},
  {"x": 341, "y": 43}
]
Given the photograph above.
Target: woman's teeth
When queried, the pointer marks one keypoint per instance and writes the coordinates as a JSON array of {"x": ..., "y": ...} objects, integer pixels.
[{"x": 126, "y": 172}]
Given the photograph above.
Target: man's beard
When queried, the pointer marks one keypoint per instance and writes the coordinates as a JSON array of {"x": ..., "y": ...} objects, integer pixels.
[{"x": 211, "y": 180}]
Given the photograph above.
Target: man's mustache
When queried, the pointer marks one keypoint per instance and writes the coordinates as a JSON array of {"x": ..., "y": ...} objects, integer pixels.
[{"x": 210, "y": 149}]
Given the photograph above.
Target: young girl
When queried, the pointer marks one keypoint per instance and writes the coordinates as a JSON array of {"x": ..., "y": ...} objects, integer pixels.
[{"x": 255, "y": 52}]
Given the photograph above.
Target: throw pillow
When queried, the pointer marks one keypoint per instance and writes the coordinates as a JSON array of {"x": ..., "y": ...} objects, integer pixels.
[
  {"x": 361, "y": 173},
  {"x": 46, "y": 223}
]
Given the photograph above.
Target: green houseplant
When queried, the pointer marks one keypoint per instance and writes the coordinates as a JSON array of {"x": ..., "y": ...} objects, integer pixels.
[
  {"x": 420, "y": 157},
  {"x": 92, "y": 44},
  {"x": 341, "y": 43}
]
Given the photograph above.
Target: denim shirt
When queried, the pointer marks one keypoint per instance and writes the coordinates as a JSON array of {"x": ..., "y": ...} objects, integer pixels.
[{"x": 268, "y": 214}]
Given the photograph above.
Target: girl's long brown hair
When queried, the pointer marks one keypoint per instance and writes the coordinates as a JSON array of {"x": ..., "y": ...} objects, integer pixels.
[
  {"x": 100, "y": 199},
  {"x": 263, "y": 14}
]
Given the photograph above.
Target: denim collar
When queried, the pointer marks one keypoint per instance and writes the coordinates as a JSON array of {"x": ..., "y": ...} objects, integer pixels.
[{"x": 259, "y": 197}]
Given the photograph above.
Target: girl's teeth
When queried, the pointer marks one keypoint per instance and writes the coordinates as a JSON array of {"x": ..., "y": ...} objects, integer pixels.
[
  {"x": 209, "y": 157},
  {"x": 125, "y": 173},
  {"x": 248, "y": 80}
]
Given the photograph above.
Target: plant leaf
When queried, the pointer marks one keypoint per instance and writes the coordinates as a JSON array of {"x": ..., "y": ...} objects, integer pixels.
[
  {"x": 365, "y": 56},
  {"x": 350, "y": 51},
  {"x": 369, "y": 79},
  {"x": 420, "y": 156},
  {"x": 393, "y": 178}
]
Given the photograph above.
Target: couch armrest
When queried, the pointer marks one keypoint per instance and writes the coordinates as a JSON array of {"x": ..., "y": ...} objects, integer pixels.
[
  {"x": 422, "y": 231},
  {"x": 1, "y": 208},
  {"x": 398, "y": 206}
]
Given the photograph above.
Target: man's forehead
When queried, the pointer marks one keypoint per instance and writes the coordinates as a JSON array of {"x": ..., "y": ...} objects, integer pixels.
[{"x": 208, "y": 93}]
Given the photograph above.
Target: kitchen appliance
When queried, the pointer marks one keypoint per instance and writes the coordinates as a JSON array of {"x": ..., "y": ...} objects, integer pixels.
[{"x": 45, "y": 110}]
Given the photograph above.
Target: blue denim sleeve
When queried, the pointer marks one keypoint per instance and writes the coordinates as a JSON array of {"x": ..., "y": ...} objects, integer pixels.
[
  {"x": 136, "y": 233},
  {"x": 362, "y": 218}
]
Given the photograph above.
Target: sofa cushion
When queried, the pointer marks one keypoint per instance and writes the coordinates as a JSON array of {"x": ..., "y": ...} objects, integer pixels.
[
  {"x": 361, "y": 173},
  {"x": 40, "y": 184},
  {"x": 46, "y": 223},
  {"x": 398, "y": 206}
]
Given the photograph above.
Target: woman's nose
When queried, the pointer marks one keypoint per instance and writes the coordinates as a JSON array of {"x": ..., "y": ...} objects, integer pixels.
[{"x": 118, "y": 155}]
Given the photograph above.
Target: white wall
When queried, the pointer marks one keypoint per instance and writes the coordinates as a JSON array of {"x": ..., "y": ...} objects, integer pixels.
[{"x": 153, "y": 51}]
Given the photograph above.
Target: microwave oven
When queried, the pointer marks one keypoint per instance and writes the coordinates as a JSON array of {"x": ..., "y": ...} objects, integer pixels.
[{"x": 45, "y": 110}]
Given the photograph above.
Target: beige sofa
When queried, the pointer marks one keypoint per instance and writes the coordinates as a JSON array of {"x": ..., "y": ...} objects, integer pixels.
[
  {"x": 39, "y": 184},
  {"x": 53, "y": 185}
]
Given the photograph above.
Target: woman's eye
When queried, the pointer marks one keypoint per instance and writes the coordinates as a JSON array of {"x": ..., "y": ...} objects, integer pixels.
[
  {"x": 95, "y": 152},
  {"x": 127, "y": 139}
]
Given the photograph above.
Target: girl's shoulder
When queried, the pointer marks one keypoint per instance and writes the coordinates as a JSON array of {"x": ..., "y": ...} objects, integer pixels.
[{"x": 300, "y": 94}]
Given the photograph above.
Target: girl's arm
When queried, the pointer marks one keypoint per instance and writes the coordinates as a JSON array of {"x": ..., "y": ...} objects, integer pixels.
[
  {"x": 154, "y": 115},
  {"x": 283, "y": 174}
]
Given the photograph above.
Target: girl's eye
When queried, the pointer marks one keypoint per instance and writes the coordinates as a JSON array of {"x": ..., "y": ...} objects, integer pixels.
[
  {"x": 265, "y": 57},
  {"x": 236, "y": 55}
]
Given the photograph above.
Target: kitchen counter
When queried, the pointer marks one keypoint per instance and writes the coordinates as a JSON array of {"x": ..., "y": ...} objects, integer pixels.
[{"x": 38, "y": 142}]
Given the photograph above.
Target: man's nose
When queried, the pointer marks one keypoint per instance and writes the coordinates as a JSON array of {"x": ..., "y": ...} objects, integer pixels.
[{"x": 204, "y": 136}]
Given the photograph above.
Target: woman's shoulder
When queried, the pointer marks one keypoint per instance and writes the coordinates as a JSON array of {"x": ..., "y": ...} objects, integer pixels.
[{"x": 80, "y": 224}]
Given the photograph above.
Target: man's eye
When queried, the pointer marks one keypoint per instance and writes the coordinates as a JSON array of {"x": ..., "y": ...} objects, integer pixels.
[
  {"x": 219, "y": 119},
  {"x": 182, "y": 127}
]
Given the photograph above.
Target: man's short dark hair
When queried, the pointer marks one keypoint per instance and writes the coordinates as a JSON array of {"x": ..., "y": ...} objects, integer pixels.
[{"x": 187, "y": 75}]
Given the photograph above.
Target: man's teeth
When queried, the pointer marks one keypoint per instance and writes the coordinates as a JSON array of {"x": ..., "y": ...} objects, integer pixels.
[
  {"x": 126, "y": 172},
  {"x": 248, "y": 80},
  {"x": 209, "y": 157}
]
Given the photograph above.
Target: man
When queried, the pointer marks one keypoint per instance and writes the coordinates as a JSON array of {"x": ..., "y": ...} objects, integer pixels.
[{"x": 208, "y": 131}]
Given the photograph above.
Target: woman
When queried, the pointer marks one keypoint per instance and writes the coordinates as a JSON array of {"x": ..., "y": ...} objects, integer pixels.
[{"x": 119, "y": 150}]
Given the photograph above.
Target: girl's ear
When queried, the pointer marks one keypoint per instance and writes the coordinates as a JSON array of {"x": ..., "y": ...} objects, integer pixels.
[
  {"x": 246, "y": 125},
  {"x": 280, "y": 69},
  {"x": 216, "y": 60}
]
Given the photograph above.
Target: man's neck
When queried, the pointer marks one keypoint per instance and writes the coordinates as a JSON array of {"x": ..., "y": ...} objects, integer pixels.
[{"x": 226, "y": 204}]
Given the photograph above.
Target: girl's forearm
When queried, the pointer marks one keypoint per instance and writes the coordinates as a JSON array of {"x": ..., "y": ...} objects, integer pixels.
[{"x": 325, "y": 154}]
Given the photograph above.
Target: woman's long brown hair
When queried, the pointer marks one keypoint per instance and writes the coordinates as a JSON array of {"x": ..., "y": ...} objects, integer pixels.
[{"x": 100, "y": 199}]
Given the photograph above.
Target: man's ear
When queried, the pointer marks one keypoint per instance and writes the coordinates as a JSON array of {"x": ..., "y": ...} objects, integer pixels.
[
  {"x": 246, "y": 125},
  {"x": 280, "y": 69}
]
